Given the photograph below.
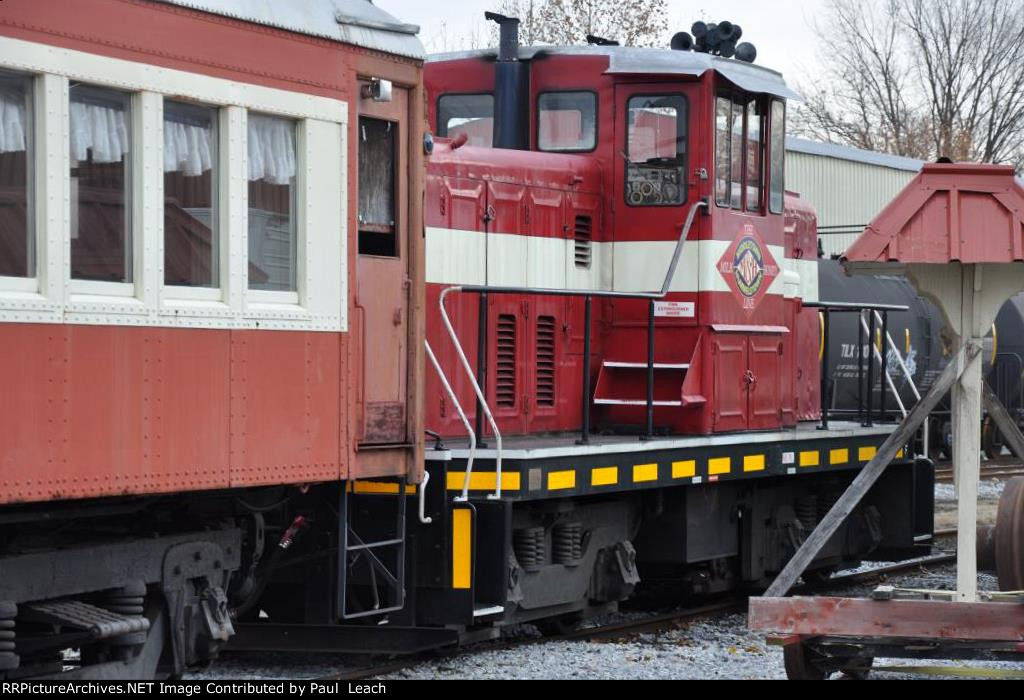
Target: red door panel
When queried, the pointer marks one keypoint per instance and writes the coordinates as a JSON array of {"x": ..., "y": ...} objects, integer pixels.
[
  {"x": 765, "y": 363},
  {"x": 730, "y": 398}
]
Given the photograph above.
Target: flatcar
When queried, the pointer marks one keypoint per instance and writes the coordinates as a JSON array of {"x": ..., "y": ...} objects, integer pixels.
[{"x": 254, "y": 253}]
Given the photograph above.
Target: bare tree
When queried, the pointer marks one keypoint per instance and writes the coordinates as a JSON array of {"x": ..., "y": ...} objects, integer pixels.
[
  {"x": 567, "y": 22},
  {"x": 922, "y": 78}
]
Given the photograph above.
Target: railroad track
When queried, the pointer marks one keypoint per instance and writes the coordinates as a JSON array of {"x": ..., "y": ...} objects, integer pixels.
[
  {"x": 654, "y": 623},
  {"x": 617, "y": 630},
  {"x": 999, "y": 469}
]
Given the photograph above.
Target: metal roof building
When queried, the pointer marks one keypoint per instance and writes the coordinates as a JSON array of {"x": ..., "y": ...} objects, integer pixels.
[{"x": 847, "y": 186}]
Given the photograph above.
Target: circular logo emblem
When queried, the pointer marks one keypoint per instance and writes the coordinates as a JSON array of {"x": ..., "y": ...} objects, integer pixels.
[{"x": 748, "y": 267}]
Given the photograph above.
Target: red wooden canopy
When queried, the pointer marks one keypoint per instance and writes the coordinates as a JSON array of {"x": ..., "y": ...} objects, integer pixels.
[{"x": 950, "y": 211}]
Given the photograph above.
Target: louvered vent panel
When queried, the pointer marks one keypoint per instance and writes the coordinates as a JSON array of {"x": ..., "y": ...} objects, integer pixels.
[
  {"x": 506, "y": 370},
  {"x": 584, "y": 237},
  {"x": 545, "y": 360}
]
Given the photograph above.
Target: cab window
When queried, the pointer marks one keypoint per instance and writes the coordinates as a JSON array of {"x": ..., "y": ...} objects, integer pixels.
[
  {"x": 472, "y": 115},
  {"x": 740, "y": 132},
  {"x": 656, "y": 150},
  {"x": 567, "y": 121},
  {"x": 778, "y": 155}
]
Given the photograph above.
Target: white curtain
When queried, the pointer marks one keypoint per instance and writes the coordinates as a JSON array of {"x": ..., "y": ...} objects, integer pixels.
[
  {"x": 102, "y": 130},
  {"x": 271, "y": 149},
  {"x": 187, "y": 148},
  {"x": 12, "y": 123}
]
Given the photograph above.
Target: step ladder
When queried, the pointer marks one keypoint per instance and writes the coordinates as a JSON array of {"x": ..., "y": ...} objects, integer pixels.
[
  {"x": 371, "y": 557},
  {"x": 625, "y": 384}
]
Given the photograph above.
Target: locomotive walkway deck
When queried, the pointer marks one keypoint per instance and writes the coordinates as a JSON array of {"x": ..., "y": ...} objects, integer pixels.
[{"x": 556, "y": 465}]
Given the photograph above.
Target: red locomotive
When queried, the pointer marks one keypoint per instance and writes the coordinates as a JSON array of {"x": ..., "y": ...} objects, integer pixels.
[{"x": 225, "y": 237}]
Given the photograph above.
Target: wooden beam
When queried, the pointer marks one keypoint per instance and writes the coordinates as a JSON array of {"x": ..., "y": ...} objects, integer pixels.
[
  {"x": 870, "y": 474},
  {"x": 879, "y": 620},
  {"x": 1011, "y": 433}
]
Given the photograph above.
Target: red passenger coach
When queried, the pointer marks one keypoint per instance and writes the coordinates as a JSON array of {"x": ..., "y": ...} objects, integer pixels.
[{"x": 207, "y": 285}]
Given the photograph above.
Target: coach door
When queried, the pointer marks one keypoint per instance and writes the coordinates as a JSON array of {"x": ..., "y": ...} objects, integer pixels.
[{"x": 382, "y": 275}]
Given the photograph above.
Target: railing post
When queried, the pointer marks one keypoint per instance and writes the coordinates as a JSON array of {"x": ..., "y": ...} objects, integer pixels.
[
  {"x": 825, "y": 319},
  {"x": 860, "y": 367},
  {"x": 650, "y": 369},
  {"x": 481, "y": 366},
  {"x": 884, "y": 352},
  {"x": 587, "y": 318},
  {"x": 871, "y": 371}
]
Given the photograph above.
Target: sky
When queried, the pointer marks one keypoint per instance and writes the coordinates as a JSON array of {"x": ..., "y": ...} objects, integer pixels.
[{"x": 783, "y": 32}]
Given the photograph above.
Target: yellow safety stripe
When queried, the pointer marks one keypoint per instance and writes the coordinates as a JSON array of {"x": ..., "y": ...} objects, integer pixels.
[{"x": 462, "y": 548}]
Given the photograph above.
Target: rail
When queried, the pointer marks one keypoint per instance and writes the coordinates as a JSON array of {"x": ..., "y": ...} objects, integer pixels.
[
  {"x": 479, "y": 378},
  {"x": 465, "y": 422}
]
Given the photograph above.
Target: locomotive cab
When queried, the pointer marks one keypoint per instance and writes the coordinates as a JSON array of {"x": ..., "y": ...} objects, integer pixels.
[{"x": 667, "y": 132}]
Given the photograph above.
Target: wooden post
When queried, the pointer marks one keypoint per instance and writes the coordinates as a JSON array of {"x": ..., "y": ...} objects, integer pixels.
[
  {"x": 870, "y": 473},
  {"x": 966, "y": 467}
]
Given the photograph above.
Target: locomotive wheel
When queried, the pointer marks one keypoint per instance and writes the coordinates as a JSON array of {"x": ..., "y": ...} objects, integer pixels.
[
  {"x": 991, "y": 439},
  {"x": 1010, "y": 537},
  {"x": 799, "y": 660},
  {"x": 859, "y": 669},
  {"x": 558, "y": 626}
]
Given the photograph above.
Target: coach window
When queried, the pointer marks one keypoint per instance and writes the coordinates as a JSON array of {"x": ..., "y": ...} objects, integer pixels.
[
  {"x": 377, "y": 156},
  {"x": 17, "y": 238},
  {"x": 472, "y": 115},
  {"x": 656, "y": 150},
  {"x": 191, "y": 246},
  {"x": 100, "y": 139},
  {"x": 567, "y": 121},
  {"x": 273, "y": 233},
  {"x": 778, "y": 155}
]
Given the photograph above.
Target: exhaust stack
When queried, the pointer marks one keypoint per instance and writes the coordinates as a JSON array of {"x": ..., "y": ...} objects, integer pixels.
[{"x": 511, "y": 88}]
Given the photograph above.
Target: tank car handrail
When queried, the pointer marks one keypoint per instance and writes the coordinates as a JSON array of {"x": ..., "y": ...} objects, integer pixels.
[{"x": 465, "y": 422}]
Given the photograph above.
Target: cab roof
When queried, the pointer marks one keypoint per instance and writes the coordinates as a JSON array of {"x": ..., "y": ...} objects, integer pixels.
[{"x": 630, "y": 60}]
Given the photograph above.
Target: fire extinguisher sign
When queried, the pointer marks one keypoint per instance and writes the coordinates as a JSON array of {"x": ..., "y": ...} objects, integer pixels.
[{"x": 675, "y": 309}]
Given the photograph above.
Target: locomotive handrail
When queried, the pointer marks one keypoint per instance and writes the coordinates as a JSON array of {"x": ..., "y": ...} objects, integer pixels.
[
  {"x": 850, "y": 306},
  {"x": 599, "y": 293},
  {"x": 589, "y": 294},
  {"x": 926, "y": 429},
  {"x": 465, "y": 422},
  {"x": 481, "y": 400},
  {"x": 902, "y": 363},
  {"x": 424, "y": 518},
  {"x": 876, "y": 354}
]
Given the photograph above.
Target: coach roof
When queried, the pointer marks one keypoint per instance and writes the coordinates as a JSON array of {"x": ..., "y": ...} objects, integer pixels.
[{"x": 357, "y": 22}]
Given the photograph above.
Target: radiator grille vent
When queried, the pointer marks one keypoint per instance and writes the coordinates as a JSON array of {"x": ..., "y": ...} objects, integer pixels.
[
  {"x": 506, "y": 370},
  {"x": 584, "y": 237},
  {"x": 545, "y": 360}
]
